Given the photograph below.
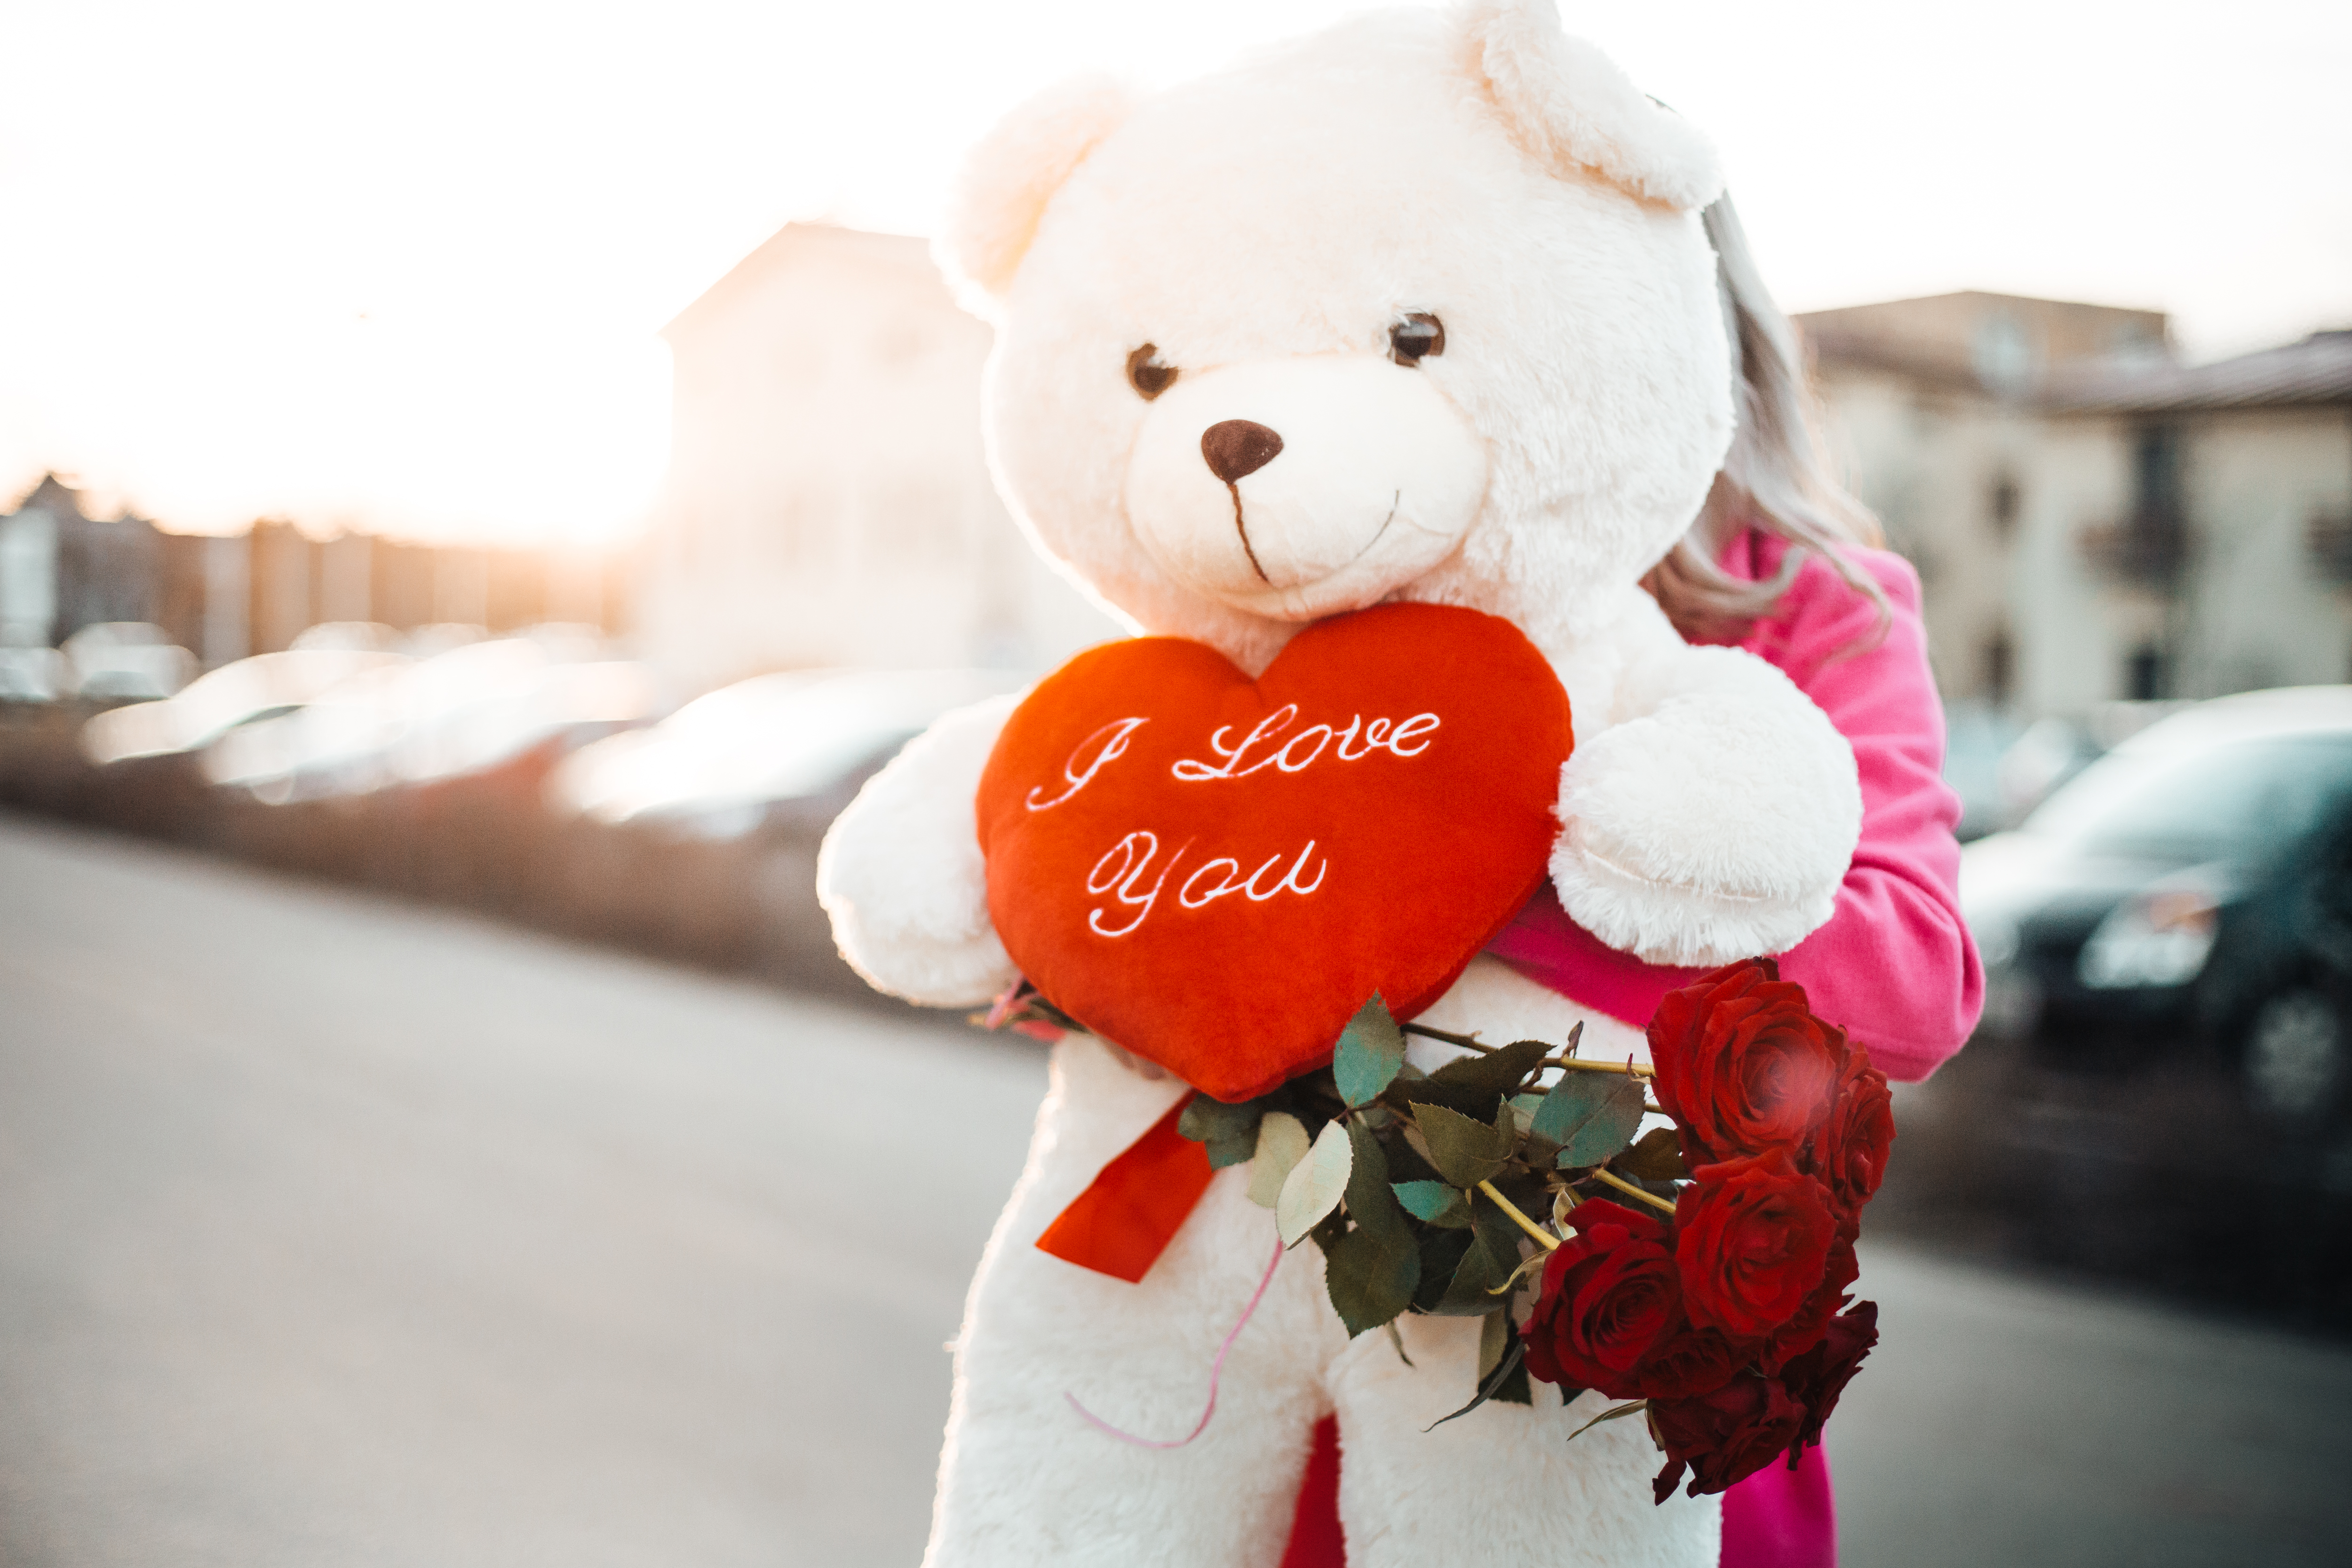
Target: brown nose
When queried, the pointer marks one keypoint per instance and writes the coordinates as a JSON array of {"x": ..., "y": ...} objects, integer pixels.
[{"x": 1236, "y": 448}]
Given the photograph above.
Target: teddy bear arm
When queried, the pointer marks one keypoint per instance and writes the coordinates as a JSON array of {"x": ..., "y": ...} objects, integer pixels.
[
  {"x": 901, "y": 875},
  {"x": 1715, "y": 821}
]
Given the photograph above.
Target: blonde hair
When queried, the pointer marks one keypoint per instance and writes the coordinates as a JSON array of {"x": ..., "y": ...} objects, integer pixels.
[{"x": 1776, "y": 477}]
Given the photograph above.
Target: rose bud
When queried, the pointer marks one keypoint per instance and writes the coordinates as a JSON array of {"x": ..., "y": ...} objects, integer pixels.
[
  {"x": 1607, "y": 1293},
  {"x": 1818, "y": 1377},
  {"x": 1743, "y": 1065},
  {"x": 1724, "y": 1437},
  {"x": 1752, "y": 1240},
  {"x": 1850, "y": 1149}
]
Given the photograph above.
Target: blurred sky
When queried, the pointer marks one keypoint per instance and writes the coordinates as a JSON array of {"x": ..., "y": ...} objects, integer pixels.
[{"x": 400, "y": 265}]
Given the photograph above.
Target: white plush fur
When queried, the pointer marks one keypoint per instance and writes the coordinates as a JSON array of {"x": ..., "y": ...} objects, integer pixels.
[
  {"x": 1264, "y": 229},
  {"x": 1025, "y": 1483},
  {"x": 901, "y": 876}
]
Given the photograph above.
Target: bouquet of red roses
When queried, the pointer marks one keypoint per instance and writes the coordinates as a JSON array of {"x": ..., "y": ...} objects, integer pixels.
[
  {"x": 1715, "y": 1303},
  {"x": 1722, "y": 1317}
]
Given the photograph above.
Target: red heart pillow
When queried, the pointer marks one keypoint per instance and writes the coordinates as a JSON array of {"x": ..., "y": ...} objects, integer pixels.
[{"x": 1215, "y": 872}]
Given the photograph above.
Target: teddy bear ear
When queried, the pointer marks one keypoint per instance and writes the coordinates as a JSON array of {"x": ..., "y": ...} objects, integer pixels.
[
  {"x": 1569, "y": 107},
  {"x": 1012, "y": 173}
]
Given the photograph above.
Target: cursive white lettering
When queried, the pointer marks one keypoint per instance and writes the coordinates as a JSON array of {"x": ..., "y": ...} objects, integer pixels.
[
  {"x": 1120, "y": 874},
  {"x": 1113, "y": 736},
  {"x": 1418, "y": 725},
  {"x": 1273, "y": 724},
  {"x": 1133, "y": 855}
]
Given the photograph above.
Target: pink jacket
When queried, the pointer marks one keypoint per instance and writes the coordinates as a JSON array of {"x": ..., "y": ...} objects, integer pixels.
[{"x": 1895, "y": 965}]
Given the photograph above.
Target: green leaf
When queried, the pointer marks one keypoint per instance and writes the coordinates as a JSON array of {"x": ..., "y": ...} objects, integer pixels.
[
  {"x": 1656, "y": 1156},
  {"x": 1434, "y": 1203},
  {"x": 1282, "y": 1142},
  {"x": 1442, "y": 1252},
  {"x": 1229, "y": 1132},
  {"x": 1492, "y": 1259},
  {"x": 1370, "y": 1050},
  {"x": 1466, "y": 1153},
  {"x": 1512, "y": 1388},
  {"x": 1472, "y": 1085},
  {"x": 1590, "y": 1116},
  {"x": 1315, "y": 1185},
  {"x": 1372, "y": 1202},
  {"x": 1370, "y": 1277},
  {"x": 1615, "y": 1412},
  {"x": 1492, "y": 1385},
  {"x": 1493, "y": 1342}
]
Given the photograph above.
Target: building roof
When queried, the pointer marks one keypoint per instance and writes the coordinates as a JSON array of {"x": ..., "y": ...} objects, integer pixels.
[
  {"x": 2315, "y": 372},
  {"x": 790, "y": 246},
  {"x": 1975, "y": 340},
  {"x": 53, "y": 496}
]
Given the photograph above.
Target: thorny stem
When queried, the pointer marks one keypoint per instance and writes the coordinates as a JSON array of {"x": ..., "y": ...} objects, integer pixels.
[
  {"x": 1629, "y": 1190},
  {"x": 1465, "y": 1041},
  {"x": 1549, "y": 1242},
  {"x": 1636, "y": 1069}
]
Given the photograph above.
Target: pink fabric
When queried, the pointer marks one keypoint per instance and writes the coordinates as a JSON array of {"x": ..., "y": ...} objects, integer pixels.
[
  {"x": 1895, "y": 965},
  {"x": 1779, "y": 1518}
]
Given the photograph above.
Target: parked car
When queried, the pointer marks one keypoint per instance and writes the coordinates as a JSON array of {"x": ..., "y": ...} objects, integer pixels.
[
  {"x": 239, "y": 693},
  {"x": 798, "y": 742},
  {"x": 2188, "y": 892},
  {"x": 467, "y": 710},
  {"x": 126, "y": 661},
  {"x": 699, "y": 837}
]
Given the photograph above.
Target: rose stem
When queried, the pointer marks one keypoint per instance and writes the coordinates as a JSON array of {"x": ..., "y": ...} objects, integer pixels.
[
  {"x": 1629, "y": 1190},
  {"x": 1549, "y": 1242},
  {"x": 1463, "y": 1040},
  {"x": 1467, "y": 1043},
  {"x": 1637, "y": 1069}
]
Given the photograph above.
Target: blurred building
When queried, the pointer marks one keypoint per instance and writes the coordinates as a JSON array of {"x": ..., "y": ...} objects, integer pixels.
[
  {"x": 2093, "y": 519},
  {"x": 827, "y": 501},
  {"x": 225, "y": 596},
  {"x": 61, "y": 569}
]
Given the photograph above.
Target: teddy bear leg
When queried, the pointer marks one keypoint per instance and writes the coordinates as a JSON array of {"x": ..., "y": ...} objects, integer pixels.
[
  {"x": 1501, "y": 1486},
  {"x": 1027, "y": 1481}
]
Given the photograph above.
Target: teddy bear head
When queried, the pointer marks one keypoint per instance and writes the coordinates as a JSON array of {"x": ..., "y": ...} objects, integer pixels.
[{"x": 1419, "y": 307}]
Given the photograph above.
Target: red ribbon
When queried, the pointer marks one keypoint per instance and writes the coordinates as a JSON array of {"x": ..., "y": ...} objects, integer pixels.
[{"x": 1133, "y": 1208}]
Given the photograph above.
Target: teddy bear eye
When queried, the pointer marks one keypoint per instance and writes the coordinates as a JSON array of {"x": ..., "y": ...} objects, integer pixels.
[
  {"x": 1149, "y": 374},
  {"x": 1418, "y": 337}
]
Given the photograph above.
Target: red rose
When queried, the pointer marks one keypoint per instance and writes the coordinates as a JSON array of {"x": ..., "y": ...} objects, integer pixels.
[
  {"x": 1752, "y": 1238},
  {"x": 1850, "y": 1149},
  {"x": 1816, "y": 1378},
  {"x": 1726, "y": 1436},
  {"x": 1743, "y": 1065},
  {"x": 1804, "y": 1330},
  {"x": 1685, "y": 1361},
  {"x": 1607, "y": 1293}
]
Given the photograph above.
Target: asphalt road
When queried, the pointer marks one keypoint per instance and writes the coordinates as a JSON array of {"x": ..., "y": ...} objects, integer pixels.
[{"x": 335, "y": 1233}]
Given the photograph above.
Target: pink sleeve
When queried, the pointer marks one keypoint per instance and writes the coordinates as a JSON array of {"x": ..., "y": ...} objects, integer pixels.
[{"x": 1895, "y": 965}]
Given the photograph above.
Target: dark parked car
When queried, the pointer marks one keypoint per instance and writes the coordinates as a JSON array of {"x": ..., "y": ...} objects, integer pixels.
[{"x": 2190, "y": 891}]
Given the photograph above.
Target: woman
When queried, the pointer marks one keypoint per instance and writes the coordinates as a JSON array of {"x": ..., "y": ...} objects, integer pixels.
[{"x": 1784, "y": 563}]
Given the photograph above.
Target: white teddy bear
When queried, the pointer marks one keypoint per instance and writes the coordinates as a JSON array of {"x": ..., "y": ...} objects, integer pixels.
[{"x": 1442, "y": 279}]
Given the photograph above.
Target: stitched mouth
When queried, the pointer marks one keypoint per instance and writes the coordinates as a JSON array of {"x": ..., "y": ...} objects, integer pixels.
[
  {"x": 1395, "y": 501},
  {"x": 1241, "y": 526}
]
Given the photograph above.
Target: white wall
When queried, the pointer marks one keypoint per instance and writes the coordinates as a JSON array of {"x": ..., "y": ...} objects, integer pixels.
[{"x": 828, "y": 501}]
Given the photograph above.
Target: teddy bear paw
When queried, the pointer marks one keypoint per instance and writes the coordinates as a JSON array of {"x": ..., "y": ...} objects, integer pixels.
[
  {"x": 1715, "y": 829},
  {"x": 901, "y": 874}
]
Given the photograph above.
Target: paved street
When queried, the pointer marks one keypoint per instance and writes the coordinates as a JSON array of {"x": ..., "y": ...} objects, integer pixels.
[{"x": 338, "y": 1233}]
